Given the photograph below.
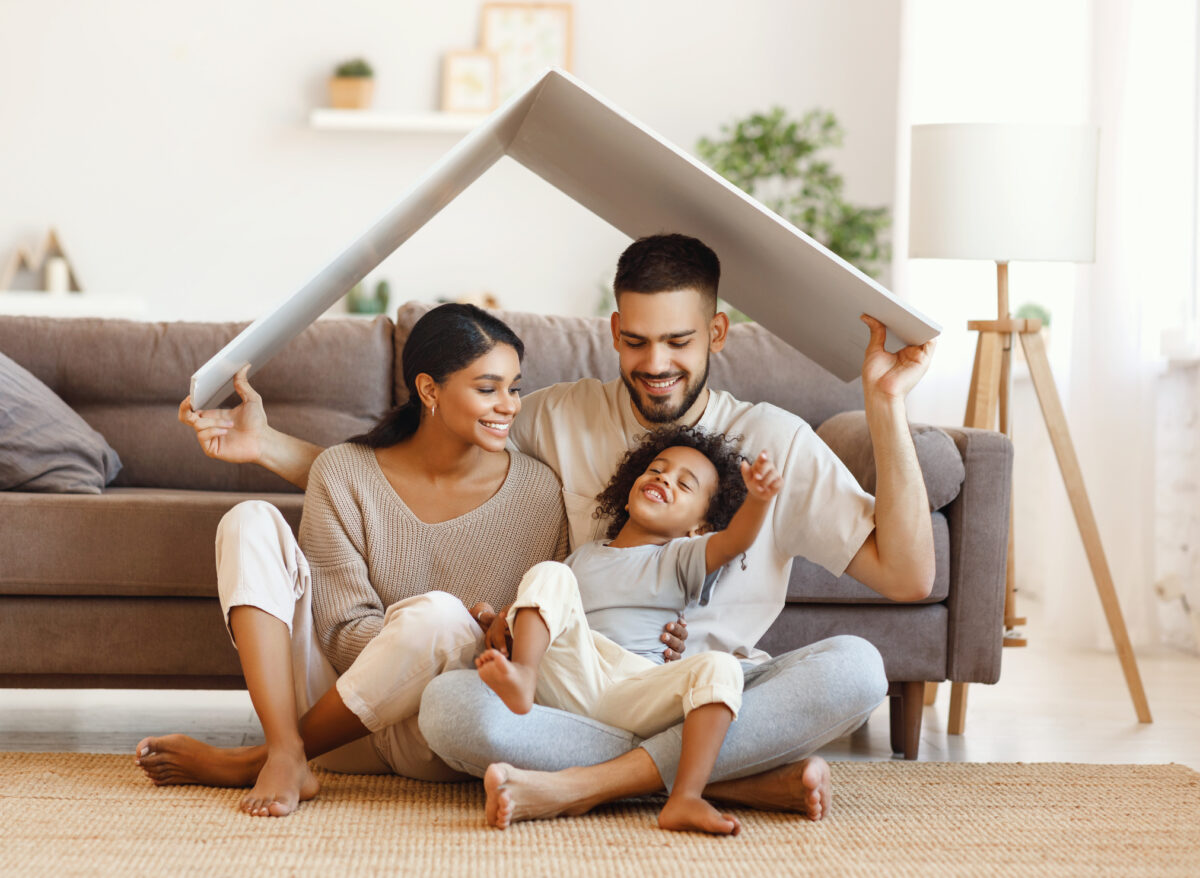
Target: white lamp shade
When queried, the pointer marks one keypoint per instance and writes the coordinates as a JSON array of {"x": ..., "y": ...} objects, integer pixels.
[{"x": 1004, "y": 192}]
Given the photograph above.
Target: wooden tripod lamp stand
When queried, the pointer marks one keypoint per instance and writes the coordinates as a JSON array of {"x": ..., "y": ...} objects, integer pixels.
[{"x": 1016, "y": 192}]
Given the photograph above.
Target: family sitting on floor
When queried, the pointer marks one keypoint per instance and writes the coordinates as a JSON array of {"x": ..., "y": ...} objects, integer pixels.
[{"x": 596, "y": 516}]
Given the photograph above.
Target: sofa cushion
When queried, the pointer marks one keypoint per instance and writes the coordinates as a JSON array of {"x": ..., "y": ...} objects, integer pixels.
[
  {"x": 812, "y": 584},
  {"x": 125, "y": 542},
  {"x": 569, "y": 348},
  {"x": 938, "y": 456},
  {"x": 44, "y": 446},
  {"x": 126, "y": 379}
]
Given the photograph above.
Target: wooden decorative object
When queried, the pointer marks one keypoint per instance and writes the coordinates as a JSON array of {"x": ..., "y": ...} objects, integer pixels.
[
  {"x": 351, "y": 92},
  {"x": 33, "y": 261}
]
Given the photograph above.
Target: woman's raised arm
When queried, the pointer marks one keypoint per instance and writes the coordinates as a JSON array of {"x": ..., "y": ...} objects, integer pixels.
[{"x": 242, "y": 435}]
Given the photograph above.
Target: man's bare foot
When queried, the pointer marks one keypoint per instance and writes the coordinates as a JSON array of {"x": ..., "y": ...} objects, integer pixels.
[
  {"x": 499, "y": 807},
  {"x": 514, "y": 794},
  {"x": 515, "y": 684},
  {"x": 280, "y": 778},
  {"x": 178, "y": 759},
  {"x": 803, "y": 786},
  {"x": 284, "y": 782},
  {"x": 684, "y": 814}
]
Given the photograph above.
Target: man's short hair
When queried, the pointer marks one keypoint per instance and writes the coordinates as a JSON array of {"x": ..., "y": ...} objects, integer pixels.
[{"x": 665, "y": 263}]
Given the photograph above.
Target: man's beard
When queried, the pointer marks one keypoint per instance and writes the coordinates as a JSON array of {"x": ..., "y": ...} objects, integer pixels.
[{"x": 663, "y": 411}]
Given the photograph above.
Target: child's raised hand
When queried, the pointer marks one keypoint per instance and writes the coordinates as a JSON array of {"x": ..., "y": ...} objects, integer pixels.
[{"x": 763, "y": 481}]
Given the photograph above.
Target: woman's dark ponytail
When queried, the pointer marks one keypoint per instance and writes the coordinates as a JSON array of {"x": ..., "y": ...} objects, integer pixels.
[
  {"x": 446, "y": 339},
  {"x": 396, "y": 426}
]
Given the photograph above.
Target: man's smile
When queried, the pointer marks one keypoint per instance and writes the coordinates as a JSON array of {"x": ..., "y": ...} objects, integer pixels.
[{"x": 660, "y": 386}]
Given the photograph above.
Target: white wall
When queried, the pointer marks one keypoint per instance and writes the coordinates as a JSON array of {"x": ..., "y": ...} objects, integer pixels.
[{"x": 169, "y": 143}]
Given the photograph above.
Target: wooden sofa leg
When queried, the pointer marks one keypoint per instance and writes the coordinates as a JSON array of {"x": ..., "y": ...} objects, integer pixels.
[
  {"x": 958, "y": 709},
  {"x": 904, "y": 711},
  {"x": 930, "y": 693}
]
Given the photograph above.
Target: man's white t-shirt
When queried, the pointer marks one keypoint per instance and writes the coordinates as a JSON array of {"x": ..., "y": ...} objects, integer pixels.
[{"x": 582, "y": 429}]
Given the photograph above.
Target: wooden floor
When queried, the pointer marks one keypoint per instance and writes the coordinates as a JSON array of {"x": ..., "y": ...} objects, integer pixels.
[{"x": 1050, "y": 705}]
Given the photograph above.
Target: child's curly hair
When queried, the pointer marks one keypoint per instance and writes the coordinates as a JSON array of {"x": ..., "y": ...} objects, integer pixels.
[{"x": 717, "y": 447}]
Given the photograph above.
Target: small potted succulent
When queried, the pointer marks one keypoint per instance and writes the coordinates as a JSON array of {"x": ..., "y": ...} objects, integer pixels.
[
  {"x": 358, "y": 302},
  {"x": 352, "y": 85}
]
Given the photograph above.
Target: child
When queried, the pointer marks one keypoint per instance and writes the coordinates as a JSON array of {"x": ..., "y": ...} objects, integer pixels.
[{"x": 678, "y": 518}]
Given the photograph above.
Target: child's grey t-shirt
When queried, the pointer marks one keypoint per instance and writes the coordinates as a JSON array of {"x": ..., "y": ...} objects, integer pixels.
[{"x": 630, "y": 594}]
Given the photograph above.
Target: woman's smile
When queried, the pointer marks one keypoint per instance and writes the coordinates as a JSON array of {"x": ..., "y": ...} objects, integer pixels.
[{"x": 500, "y": 428}]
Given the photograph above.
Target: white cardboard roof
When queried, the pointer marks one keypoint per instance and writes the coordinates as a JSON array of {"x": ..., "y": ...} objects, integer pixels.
[{"x": 638, "y": 182}]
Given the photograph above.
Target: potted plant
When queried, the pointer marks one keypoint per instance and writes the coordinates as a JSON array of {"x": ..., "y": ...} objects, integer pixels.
[
  {"x": 778, "y": 161},
  {"x": 352, "y": 85},
  {"x": 358, "y": 302}
]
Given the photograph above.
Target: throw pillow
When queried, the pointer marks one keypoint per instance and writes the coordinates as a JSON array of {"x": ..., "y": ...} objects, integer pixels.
[
  {"x": 941, "y": 464},
  {"x": 44, "y": 445}
]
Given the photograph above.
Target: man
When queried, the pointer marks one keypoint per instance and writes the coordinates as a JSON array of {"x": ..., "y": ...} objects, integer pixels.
[{"x": 665, "y": 329}]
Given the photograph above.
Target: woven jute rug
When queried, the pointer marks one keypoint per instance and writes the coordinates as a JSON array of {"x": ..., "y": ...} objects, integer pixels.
[{"x": 68, "y": 814}]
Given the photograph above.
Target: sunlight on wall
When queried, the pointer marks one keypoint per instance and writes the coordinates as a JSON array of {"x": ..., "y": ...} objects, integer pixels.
[
  {"x": 1130, "y": 68},
  {"x": 1016, "y": 62},
  {"x": 1021, "y": 61}
]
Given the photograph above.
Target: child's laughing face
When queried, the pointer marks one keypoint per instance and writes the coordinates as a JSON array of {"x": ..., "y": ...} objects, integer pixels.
[{"x": 671, "y": 498}]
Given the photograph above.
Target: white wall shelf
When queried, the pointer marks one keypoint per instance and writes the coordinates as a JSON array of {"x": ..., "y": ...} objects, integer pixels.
[
  {"x": 403, "y": 123},
  {"x": 24, "y": 303}
]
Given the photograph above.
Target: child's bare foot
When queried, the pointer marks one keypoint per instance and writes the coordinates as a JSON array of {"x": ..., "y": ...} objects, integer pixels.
[
  {"x": 684, "y": 814},
  {"x": 515, "y": 684},
  {"x": 284, "y": 782},
  {"x": 803, "y": 786}
]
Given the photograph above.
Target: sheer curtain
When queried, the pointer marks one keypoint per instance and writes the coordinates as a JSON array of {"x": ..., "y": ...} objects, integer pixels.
[{"x": 1128, "y": 67}]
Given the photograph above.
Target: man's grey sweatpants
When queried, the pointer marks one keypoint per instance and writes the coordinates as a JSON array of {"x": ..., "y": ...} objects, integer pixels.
[{"x": 793, "y": 704}]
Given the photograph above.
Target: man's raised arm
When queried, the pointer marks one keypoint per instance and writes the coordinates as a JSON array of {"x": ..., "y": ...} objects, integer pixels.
[
  {"x": 242, "y": 435},
  {"x": 897, "y": 559}
]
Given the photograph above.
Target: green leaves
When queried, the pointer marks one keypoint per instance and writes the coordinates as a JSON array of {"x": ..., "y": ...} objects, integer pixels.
[
  {"x": 358, "y": 67},
  {"x": 778, "y": 161}
]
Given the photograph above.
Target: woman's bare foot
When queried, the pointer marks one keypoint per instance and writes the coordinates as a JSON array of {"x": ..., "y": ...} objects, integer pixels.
[
  {"x": 178, "y": 759},
  {"x": 514, "y": 794},
  {"x": 515, "y": 684},
  {"x": 284, "y": 782},
  {"x": 684, "y": 814},
  {"x": 281, "y": 778},
  {"x": 804, "y": 786}
]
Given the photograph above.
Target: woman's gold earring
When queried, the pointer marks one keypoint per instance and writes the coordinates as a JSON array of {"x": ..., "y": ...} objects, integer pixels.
[{"x": 432, "y": 409}]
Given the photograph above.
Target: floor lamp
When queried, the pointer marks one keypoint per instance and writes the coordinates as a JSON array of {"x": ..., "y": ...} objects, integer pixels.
[{"x": 1003, "y": 193}]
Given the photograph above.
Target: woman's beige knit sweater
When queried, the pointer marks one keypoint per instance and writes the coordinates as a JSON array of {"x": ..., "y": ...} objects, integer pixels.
[{"x": 367, "y": 550}]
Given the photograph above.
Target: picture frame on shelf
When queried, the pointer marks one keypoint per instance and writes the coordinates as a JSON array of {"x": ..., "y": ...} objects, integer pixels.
[
  {"x": 469, "y": 82},
  {"x": 526, "y": 38}
]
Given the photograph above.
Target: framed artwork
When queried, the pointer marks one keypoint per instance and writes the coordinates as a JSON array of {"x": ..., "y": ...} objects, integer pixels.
[
  {"x": 469, "y": 82},
  {"x": 526, "y": 38}
]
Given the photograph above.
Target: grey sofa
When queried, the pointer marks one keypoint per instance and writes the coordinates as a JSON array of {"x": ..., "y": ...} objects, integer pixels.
[{"x": 118, "y": 589}]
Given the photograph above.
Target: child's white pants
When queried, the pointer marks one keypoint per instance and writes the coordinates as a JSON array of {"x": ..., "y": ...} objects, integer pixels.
[
  {"x": 586, "y": 673},
  {"x": 259, "y": 564}
]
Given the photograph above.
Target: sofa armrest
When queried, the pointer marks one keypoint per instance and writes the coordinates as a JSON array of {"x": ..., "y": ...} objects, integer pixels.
[
  {"x": 978, "y": 524},
  {"x": 940, "y": 460},
  {"x": 968, "y": 475}
]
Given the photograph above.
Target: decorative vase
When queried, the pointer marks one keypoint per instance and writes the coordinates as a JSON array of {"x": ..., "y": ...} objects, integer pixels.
[{"x": 351, "y": 92}]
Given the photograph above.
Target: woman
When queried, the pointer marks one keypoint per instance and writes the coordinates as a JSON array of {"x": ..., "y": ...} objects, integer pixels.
[{"x": 403, "y": 529}]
